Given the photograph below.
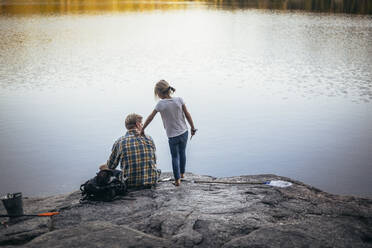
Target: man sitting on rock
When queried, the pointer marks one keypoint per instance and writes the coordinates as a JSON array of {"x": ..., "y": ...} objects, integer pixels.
[{"x": 136, "y": 155}]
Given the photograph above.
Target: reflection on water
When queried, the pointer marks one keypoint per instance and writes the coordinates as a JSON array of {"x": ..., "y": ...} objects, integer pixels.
[
  {"x": 24, "y": 7},
  {"x": 20, "y": 7},
  {"x": 287, "y": 93},
  {"x": 333, "y": 6}
]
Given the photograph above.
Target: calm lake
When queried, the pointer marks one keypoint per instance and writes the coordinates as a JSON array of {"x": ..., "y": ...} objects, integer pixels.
[{"x": 272, "y": 89}]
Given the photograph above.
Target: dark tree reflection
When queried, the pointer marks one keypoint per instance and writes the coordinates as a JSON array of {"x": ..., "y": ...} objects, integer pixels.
[
  {"x": 335, "y": 6},
  {"x": 22, "y": 7}
]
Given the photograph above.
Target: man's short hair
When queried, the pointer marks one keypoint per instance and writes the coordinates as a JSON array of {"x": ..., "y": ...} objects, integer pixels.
[{"x": 131, "y": 120}]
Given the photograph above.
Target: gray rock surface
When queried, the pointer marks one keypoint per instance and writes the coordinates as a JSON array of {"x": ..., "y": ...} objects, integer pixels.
[{"x": 196, "y": 214}]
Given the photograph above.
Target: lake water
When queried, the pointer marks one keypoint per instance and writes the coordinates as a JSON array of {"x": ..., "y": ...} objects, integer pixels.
[{"x": 271, "y": 91}]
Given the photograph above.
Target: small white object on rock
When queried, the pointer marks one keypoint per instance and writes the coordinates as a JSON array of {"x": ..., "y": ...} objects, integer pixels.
[{"x": 278, "y": 183}]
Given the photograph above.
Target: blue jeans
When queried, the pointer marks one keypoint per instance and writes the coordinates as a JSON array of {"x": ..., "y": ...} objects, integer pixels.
[{"x": 177, "y": 147}]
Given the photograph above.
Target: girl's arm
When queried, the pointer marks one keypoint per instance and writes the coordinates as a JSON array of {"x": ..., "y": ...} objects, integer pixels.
[
  {"x": 189, "y": 119},
  {"x": 148, "y": 120}
]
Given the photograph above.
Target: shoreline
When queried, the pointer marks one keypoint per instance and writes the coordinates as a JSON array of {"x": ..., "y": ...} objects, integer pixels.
[
  {"x": 170, "y": 174},
  {"x": 236, "y": 213}
]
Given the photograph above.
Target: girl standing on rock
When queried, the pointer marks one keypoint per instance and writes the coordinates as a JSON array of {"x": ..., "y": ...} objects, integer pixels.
[{"x": 173, "y": 112}]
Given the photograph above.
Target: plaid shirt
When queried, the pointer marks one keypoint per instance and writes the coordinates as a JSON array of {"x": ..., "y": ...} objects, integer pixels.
[{"x": 137, "y": 158}]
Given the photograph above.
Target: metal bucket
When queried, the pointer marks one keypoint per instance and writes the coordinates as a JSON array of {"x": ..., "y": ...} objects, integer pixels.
[{"x": 13, "y": 203}]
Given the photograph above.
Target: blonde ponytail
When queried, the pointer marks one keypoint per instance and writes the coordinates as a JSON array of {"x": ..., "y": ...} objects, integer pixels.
[{"x": 163, "y": 89}]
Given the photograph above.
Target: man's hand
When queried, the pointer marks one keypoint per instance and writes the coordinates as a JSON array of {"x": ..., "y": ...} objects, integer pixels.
[
  {"x": 142, "y": 132},
  {"x": 104, "y": 167}
]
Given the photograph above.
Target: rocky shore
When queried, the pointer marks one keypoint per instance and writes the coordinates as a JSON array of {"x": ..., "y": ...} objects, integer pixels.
[{"x": 202, "y": 212}]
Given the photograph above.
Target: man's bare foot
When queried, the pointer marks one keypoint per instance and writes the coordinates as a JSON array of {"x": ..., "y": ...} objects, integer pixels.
[{"x": 182, "y": 175}]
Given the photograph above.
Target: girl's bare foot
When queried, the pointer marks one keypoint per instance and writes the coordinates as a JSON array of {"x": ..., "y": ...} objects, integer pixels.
[{"x": 177, "y": 182}]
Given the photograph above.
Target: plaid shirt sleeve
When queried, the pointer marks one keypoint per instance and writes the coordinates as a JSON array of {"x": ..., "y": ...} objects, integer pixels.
[
  {"x": 114, "y": 158},
  {"x": 150, "y": 141}
]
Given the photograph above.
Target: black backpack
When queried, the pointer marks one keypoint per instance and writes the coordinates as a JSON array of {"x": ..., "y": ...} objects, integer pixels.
[{"x": 106, "y": 186}]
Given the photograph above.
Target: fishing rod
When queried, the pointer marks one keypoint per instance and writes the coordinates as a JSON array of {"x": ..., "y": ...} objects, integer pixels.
[
  {"x": 48, "y": 214},
  {"x": 193, "y": 134}
]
